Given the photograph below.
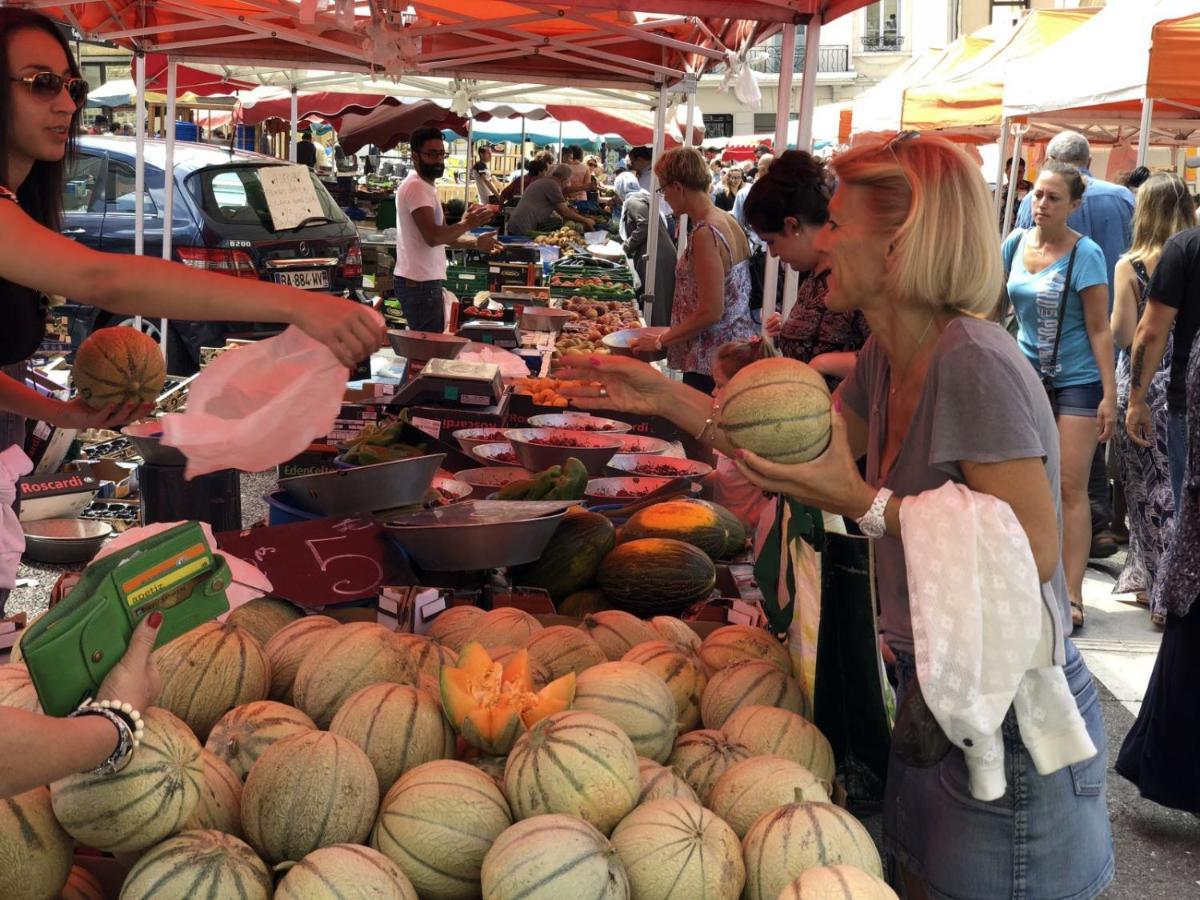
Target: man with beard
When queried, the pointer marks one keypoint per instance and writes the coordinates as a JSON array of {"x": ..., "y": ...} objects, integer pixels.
[{"x": 422, "y": 234}]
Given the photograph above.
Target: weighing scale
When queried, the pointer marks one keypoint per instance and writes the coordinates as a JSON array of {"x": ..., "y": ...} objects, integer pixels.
[
  {"x": 449, "y": 382},
  {"x": 505, "y": 335}
]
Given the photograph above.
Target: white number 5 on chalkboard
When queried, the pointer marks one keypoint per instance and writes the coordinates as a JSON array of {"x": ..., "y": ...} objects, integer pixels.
[{"x": 340, "y": 587}]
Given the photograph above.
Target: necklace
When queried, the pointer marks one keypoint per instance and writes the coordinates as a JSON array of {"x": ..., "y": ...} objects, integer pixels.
[{"x": 897, "y": 382}]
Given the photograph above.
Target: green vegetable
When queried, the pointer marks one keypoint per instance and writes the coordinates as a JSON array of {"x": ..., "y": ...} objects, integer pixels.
[
  {"x": 545, "y": 483},
  {"x": 515, "y": 490},
  {"x": 571, "y": 483}
]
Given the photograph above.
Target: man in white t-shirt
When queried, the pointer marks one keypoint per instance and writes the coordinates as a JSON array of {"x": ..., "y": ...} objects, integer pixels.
[
  {"x": 422, "y": 234},
  {"x": 485, "y": 182}
]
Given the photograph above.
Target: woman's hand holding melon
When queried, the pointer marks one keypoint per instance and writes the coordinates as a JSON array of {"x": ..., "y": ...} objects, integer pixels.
[
  {"x": 348, "y": 328},
  {"x": 615, "y": 382},
  {"x": 77, "y": 414}
]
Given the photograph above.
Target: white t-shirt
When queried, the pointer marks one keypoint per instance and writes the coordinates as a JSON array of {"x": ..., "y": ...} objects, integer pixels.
[{"x": 415, "y": 259}]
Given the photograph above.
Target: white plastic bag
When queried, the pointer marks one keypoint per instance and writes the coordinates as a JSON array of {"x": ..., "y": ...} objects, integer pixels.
[{"x": 259, "y": 405}]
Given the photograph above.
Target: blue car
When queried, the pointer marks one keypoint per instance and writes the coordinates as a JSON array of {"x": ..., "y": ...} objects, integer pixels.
[{"x": 220, "y": 222}]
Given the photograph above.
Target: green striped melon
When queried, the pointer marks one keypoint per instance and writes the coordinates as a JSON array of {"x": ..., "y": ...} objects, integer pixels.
[
  {"x": 837, "y": 883},
  {"x": 243, "y": 733},
  {"x": 616, "y": 631},
  {"x": 538, "y": 670},
  {"x": 701, "y": 757},
  {"x": 759, "y": 784},
  {"x": 454, "y": 626},
  {"x": 345, "y": 871},
  {"x": 308, "y": 791},
  {"x": 216, "y": 863},
  {"x": 505, "y": 625},
  {"x": 789, "y": 840},
  {"x": 149, "y": 800},
  {"x": 398, "y": 726},
  {"x": 677, "y": 631},
  {"x": 769, "y": 731},
  {"x": 735, "y": 541},
  {"x": 576, "y": 763},
  {"x": 677, "y": 850},
  {"x": 428, "y": 655},
  {"x": 570, "y": 559},
  {"x": 778, "y": 408},
  {"x": 286, "y": 650},
  {"x": 220, "y": 804},
  {"x": 553, "y": 857},
  {"x": 660, "y": 782},
  {"x": 634, "y": 699},
  {"x": 82, "y": 885},
  {"x": 752, "y": 683},
  {"x": 733, "y": 644},
  {"x": 562, "y": 649},
  {"x": 683, "y": 674},
  {"x": 681, "y": 520},
  {"x": 208, "y": 671},
  {"x": 264, "y": 617},
  {"x": 345, "y": 660},
  {"x": 656, "y": 575},
  {"x": 16, "y": 688},
  {"x": 35, "y": 851},
  {"x": 433, "y": 808}
]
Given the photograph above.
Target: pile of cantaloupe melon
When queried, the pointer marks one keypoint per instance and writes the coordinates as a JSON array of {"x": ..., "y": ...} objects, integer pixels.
[{"x": 297, "y": 757}]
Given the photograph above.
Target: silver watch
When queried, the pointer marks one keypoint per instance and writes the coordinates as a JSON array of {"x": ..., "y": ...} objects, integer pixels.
[{"x": 872, "y": 523}]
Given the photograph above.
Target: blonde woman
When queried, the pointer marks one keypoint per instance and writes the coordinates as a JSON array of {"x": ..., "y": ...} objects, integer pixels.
[
  {"x": 1164, "y": 207},
  {"x": 937, "y": 395}
]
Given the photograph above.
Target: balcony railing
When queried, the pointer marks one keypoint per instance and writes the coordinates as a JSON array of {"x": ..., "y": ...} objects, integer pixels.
[
  {"x": 888, "y": 42},
  {"x": 833, "y": 59}
]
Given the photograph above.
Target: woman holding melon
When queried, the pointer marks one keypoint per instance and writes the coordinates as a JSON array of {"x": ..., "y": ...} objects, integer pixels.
[{"x": 938, "y": 394}]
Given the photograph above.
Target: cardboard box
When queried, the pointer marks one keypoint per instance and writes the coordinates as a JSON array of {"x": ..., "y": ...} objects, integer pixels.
[
  {"x": 521, "y": 274},
  {"x": 47, "y": 445},
  {"x": 62, "y": 495}
]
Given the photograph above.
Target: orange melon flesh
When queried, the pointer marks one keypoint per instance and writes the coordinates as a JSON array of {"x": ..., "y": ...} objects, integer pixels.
[{"x": 555, "y": 697}]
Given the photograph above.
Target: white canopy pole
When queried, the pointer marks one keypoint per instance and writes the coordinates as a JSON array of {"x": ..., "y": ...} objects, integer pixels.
[
  {"x": 660, "y": 127},
  {"x": 783, "y": 108},
  {"x": 467, "y": 166},
  {"x": 1018, "y": 131},
  {"x": 1144, "y": 135},
  {"x": 689, "y": 85},
  {"x": 521, "y": 160},
  {"x": 562, "y": 150},
  {"x": 169, "y": 183},
  {"x": 139, "y": 166},
  {"x": 295, "y": 123},
  {"x": 996, "y": 201},
  {"x": 804, "y": 127}
]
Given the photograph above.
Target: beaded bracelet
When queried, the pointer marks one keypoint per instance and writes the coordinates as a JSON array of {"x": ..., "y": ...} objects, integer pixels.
[
  {"x": 709, "y": 422},
  {"x": 130, "y": 730}
]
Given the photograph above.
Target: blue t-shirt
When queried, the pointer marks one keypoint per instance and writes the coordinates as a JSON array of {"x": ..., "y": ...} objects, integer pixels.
[{"x": 1036, "y": 300}]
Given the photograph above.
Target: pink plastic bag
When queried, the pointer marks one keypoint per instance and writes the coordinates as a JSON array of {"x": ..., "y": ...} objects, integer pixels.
[{"x": 259, "y": 405}]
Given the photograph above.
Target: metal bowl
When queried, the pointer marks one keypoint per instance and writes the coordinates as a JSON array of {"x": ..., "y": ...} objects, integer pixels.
[
  {"x": 620, "y": 343},
  {"x": 146, "y": 438},
  {"x": 387, "y": 485},
  {"x": 452, "y": 490},
  {"x": 575, "y": 421},
  {"x": 542, "y": 318},
  {"x": 425, "y": 345},
  {"x": 64, "y": 541},
  {"x": 487, "y": 481},
  {"x": 501, "y": 453},
  {"x": 626, "y": 489},
  {"x": 657, "y": 466},
  {"x": 591, "y": 449},
  {"x": 644, "y": 446},
  {"x": 469, "y": 438}
]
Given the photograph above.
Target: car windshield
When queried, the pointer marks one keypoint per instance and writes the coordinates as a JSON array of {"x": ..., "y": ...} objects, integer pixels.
[{"x": 234, "y": 196}]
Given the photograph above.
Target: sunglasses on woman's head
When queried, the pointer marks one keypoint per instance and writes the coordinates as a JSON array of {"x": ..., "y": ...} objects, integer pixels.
[{"x": 48, "y": 85}]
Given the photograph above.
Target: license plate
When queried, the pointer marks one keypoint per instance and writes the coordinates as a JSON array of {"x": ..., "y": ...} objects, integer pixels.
[{"x": 305, "y": 279}]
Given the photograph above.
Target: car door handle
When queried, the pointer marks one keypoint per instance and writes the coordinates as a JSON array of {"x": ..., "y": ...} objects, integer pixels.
[{"x": 73, "y": 231}]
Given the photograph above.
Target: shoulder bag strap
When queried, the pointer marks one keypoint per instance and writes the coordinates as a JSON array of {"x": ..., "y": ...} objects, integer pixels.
[{"x": 1062, "y": 307}]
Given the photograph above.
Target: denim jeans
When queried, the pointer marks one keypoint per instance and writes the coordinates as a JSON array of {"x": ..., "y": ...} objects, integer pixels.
[
  {"x": 1177, "y": 451},
  {"x": 424, "y": 309}
]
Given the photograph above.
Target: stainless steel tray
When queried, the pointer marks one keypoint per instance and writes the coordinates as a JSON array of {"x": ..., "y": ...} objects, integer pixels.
[
  {"x": 425, "y": 345},
  {"x": 64, "y": 541},
  {"x": 386, "y": 485},
  {"x": 146, "y": 438}
]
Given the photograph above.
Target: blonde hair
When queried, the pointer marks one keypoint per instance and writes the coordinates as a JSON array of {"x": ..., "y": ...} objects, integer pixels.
[
  {"x": 1164, "y": 207},
  {"x": 932, "y": 197},
  {"x": 685, "y": 166},
  {"x": 736, "y": 355}
]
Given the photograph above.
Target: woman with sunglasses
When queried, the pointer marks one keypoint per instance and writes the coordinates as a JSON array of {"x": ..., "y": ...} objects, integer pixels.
[{"x": 938, "y": 395}]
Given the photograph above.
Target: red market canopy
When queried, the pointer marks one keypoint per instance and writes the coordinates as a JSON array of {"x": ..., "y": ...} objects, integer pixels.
[
  {"x": 189, "y": 80},
  {"x": 327, "y": 105},
  {"x": 388, "y": 125}
]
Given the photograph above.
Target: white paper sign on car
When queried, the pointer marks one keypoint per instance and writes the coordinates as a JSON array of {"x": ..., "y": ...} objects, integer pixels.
[{"x": 290, "y": 194}]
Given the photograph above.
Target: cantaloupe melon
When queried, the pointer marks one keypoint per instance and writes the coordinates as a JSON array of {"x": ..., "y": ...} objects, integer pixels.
[
  {"x": 505, "y": 625},
  {"x": 308, "y": 791},
  {"x": 398, "y": 726},
  {"x": 553, "y": 857},
  {"x": 287, "y": 648},
  {"x": 539, "y": 672},
  {"x": 770, "y": 731},
  {"x": 16, "y": 688},
  {"x": 575, "y": 763},
  {"x": 82, "y": 885},
  {"x": 34, "y": 849},
  {"x": 563, "y": 649},
  {"x": 660, "y": 782},
  {"x": 208, "y": 671},
  {"x": 177, "y": 869},
  {"x": 837, "y": 883},
  {"x": 151, "y": 799},
  {"x": 243, "y": 733},
  {"x": 118, "y": 365},
  {"x": 454, "y": 626},
  {"x": 676, "y": 630},
  {"x": 778, "y": 408},
  {"x": 220, "y": 804},
  {"x": 345, "y": 660},
  {"x": 701, "y": 757},
  {"x": 677, "y": 850},
  {"x": 634, "y": 699},
  {"x": 433, "y": 808},
  {"x": 263, "y": 617},
  {"x": 345, "y": 870},
  {"x": 789, "y": 840},
  {"x": 682, "y": 672},
  {"x": 751, "y": 683},
  {"x": 616, "y": 631},
  {"x": 733, "y": 644},
  {"x": 428, "y": 655},
  {"x": 759, "y": 784}
]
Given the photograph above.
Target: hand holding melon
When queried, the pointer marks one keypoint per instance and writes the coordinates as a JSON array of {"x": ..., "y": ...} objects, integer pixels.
[{"x": 118, "y": 366}]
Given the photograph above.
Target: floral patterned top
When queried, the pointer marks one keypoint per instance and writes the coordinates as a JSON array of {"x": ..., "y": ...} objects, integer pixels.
[
  {"x": 1181, "y": 564},
  {"x": 696, "y": 355},
  {"x": 812, "y": 328}
]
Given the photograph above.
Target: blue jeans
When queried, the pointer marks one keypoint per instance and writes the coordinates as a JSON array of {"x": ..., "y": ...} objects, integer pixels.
[
  {"x": 1177, "y": 451},
  {"x": 424, "y": 309}
]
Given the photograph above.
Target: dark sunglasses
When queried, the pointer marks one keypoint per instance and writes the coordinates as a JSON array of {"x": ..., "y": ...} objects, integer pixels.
[{"x": 48, "y": 85}]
